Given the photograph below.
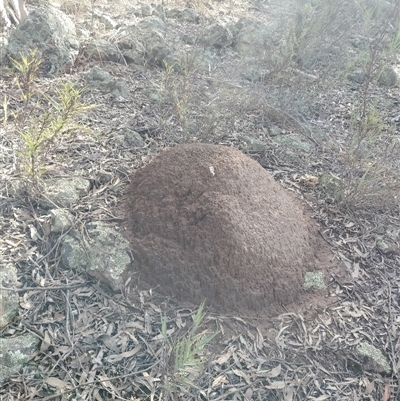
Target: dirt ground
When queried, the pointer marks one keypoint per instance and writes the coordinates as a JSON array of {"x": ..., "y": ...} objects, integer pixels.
[{"x": 96, "y": 345}]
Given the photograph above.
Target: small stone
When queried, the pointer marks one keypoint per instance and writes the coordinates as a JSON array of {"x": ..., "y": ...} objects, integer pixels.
[
  {"x": 254, "y": 145},
  {"x": 314, "y": 281},
  {"x": 374, "y": 360},
  {"x": 356, "y": 76},
  {"x": 61, "y": 220},
  {"x": 133, "y": 138},
  {"x": 388, "y": 77}
]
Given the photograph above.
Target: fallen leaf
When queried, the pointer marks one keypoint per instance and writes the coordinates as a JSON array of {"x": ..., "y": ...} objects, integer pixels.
[
  {"x": 386, "y": 394},
  {"x": 218, "y": 380},
  {"x": 275, "y": 371},
  {"x": 56, "y": 382},
  {"x": 278, "y": 385}
]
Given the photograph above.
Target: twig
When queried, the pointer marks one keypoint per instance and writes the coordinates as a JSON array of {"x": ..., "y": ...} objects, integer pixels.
[{"x": 61, "y": 287}]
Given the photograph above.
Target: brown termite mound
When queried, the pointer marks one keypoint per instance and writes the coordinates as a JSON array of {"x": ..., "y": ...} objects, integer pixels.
[{"x": 206, "y": 222}]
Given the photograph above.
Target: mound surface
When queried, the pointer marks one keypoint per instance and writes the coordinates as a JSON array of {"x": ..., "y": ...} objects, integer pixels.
[{"x": 208, "y": 222}]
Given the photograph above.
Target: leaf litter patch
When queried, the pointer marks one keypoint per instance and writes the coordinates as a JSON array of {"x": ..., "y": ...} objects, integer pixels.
[{"x": 95, "y": 346}]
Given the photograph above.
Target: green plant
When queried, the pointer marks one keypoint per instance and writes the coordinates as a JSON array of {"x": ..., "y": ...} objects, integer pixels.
[
  {"x": 185, "y": 357},
  {"x": 382, "y": 29},
  {"x": 175, "y": 88},
  {"x": 26, "y": 72},
  {"x": 369, "y": 178},
  {"x": 43, "y": 121}
]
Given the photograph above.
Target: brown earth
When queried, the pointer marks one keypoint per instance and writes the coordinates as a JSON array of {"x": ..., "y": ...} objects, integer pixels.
[{"x": 208, "y": 222}]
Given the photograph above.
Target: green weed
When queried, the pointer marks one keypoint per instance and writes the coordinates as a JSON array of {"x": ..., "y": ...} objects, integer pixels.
[
  {"x": 185, "y": 357},
  {"x": 43, "y": 122}
]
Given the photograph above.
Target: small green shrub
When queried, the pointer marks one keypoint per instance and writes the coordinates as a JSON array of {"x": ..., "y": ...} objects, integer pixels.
[
  {"x": 369, "y": 177},
  {"x": 43, "y": 121},
  {"x": 185, "y": 356}
]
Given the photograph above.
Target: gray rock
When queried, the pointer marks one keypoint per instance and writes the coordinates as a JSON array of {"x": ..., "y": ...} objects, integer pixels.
[
  {"x": 153, "y": 24},
  {"x": 50, "y": 31},
  {"x": 254, "y": 145},
  {"x": 356, "y": 76},
  {"x": 106, "y": 20},
  {"x": 274, "y": 131},
  {"x": 374, "y": 360},
  {"x": 61, "y": 220},
  {"x": 360, "y": 42},
  {"x": 104, "y": 255},
  {"x": 15, "y": 352},
  {"x": 63, "y": 192},
  {"x": 388, "y": 77},
  {"x": 135, "y": 56},
  {"x": 102, "y": 50},
  {"x": 144, "y": 42},
  {"x": 331, "y": 184},
  {"x": 382, "y": 245},
  {"x": 314, "y": 281},
  {"x": 255, "y": 75},
  {"x": 9, "y": 300},
  {"x": 187, "y": 15},
  {"x": 190, "y": 16},
  {"x": 96, "y": 74},
  {"x": 294, "y": 142},
  {"x": 252, "y": 37},
  {"x": 133, "y": 138},
  {"x": 188, "y": 39},
  {"x": 217, "y": 36},
  {"x": 117, "y": 89},
  {"x": 146, "y": 10}
]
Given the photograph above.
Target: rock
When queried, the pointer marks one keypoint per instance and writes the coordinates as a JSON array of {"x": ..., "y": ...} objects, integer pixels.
[
  {"x": 208, "y": 222},
  {"x": 153, "y": 25},
  {"x": 63, "y": 192},
  {"x": 118, "y": 89},
  {"x": 256, "y": 75},
  {"x": 61, "y": 220},
  {"x": 96, "y": 75},
  {"x": 188, "y": 39},
  {"x": 147, "y": 10},
  {"x": 254, "y": 145},
  {"x": 274, "y": 131},
  {"x": 187, "y": 15},
  {"x": 133, "y": 139},
  {"x": 374, "y": 360},
  {"x": 102, "y": 50},
  {"x": 357, "y": 76},
  {"x": 50, "y": 31},
  {"x": 144, "y": 42},
  {"x": 294, "y": 142},
  {"x": 15, "y": 352},
  {"x": 103, "y": 80},
  {"x": 314, "y": 281},
  {"x": 217, "y": 36},
  {"x": 360, "y": 42},
  {"x": 9, "y": 300},
  {"x": 105, "y": 255},
  {"x": 388, "y": 77},
  {"x": 332, "y": 185},
  {"x": 106, "y": 20},
  {"x": 387, "y": 248},
  {"x": 252, "y": 37}
]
